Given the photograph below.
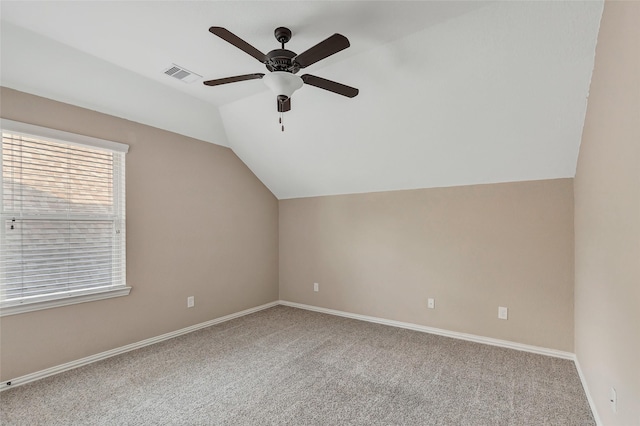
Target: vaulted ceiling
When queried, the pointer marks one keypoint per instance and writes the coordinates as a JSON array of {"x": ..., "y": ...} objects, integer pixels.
[{"x": 451, "y": 93}]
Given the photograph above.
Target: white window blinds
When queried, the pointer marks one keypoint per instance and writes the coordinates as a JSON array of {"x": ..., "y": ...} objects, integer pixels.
[{"x": 63, "y": 217}]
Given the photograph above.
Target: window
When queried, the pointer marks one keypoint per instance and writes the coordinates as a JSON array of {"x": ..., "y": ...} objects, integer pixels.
[{"x": 62, "y": 208}]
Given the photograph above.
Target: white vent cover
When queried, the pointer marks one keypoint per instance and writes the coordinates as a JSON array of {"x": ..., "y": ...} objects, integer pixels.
[{"x": 182, "y": 74}]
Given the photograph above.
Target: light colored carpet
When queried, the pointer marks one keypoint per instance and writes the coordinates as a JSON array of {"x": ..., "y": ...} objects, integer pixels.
[{"x": 286, "y": 366}]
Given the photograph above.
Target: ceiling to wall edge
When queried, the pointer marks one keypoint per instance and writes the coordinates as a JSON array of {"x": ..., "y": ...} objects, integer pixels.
[
  {"x": 586, "y": 101},
  {"x": 106, "y": 111},
  {"x": 424, "y": 188}
]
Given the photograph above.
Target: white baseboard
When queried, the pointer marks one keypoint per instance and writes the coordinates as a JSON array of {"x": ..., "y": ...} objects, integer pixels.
[
  {"x": 454, "y": 334},
  {"x": 592, "y": 404},
  {"x": 117, "y": 351},
  {"x": 463, "y": 336}
]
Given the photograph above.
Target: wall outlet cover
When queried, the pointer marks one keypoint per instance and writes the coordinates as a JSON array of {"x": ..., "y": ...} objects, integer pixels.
[
  {"x": 503, "y": 312},
  {"x": 431, "y": 303}
]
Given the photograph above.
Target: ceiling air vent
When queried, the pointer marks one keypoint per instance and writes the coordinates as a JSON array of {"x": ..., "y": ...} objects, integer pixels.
[{"x": 182, "y": 74}]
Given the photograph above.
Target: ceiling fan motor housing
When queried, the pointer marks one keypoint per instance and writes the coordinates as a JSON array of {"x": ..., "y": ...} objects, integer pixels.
[{"x": 282, "y": 60}]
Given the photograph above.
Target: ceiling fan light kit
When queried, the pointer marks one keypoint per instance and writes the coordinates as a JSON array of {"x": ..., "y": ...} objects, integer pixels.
[
  {"x": 283, "y": 65},
  {"x": 282, "y": 83}
]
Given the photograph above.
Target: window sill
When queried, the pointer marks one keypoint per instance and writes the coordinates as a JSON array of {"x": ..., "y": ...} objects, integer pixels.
[{"x": 68, "y": 300}]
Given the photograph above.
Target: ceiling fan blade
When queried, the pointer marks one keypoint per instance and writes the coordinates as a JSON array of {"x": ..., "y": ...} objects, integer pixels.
[
  {"x": 229, "y": 37},
  {"x": 226, "y": 80},
  {"x": 331, "y": 86},
  {"x": 284, "y": 103},
  {"x": 328, "y": 47}
]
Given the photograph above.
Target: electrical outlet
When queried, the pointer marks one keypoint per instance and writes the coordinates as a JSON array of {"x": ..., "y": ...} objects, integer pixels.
[
  {"x": 431, "y": 303},
  {"x": 316, "y": 287},
  {"x": 503, "y": 312},
  {"x": 190, "y": 302},
  {"x": 613, "y": 399}
]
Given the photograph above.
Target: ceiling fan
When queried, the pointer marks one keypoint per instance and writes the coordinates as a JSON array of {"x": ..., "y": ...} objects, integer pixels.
[{"x": 283, "y": 64}]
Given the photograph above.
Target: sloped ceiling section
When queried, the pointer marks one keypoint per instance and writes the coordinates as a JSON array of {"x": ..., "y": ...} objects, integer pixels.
[
  {"x": 451, "y": 93},
  {"x": 496, "y": 95},
  {"x": 36, "y": 64}
]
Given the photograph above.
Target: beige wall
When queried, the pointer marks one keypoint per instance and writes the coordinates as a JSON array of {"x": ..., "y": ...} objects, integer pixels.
[
  {"x": 199, "y": 223},
  {"x": 472, "y": 248},
  {"x": 607, "y": 220}
]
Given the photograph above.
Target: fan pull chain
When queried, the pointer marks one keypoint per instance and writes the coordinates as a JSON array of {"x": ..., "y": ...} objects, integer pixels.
[{"x": 281, "y": 122}]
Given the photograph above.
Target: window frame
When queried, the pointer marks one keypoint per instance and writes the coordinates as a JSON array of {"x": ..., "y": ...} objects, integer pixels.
[{"x": 88, "y": 295}]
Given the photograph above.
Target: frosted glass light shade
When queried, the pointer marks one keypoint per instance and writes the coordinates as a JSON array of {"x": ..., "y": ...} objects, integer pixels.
[{"x": 282, "y": 83}]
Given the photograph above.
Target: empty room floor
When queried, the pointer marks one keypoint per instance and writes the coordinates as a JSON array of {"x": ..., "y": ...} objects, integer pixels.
[{"x": 288, "y": 366}]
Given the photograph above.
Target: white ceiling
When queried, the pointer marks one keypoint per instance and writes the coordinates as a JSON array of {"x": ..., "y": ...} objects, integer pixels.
[{"x": 451, "y": 93}]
